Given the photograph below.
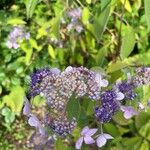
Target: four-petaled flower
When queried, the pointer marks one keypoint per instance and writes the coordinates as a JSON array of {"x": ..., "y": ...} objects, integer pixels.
[
  {"x": 129, "y": 111},
  {"x": 86, "y": 137}
]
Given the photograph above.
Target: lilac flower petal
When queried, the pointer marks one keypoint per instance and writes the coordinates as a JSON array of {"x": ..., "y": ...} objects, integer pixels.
[
  {"x": 68, "y": 69},
  {"x": 88, "y": 140},
  {"x": 33, "y": 121},
  {"x": 127, "y": 114},
  {"x": 128, "y": 111},
  {"x": 101, "y": 140},
  {"x": 104, "y": 83},
  {"x": 107, "y": 136},
  {"x": 79, "y": 143},
  {"x": 85, "y": 130},
  {"x": 26, "y": 109},
  {"x": 120, "y": 96},
  {"x": 141, "y": 106},
  {"x": 15, "y": 45},
  {"x": 91, "y": 132},
  {"x": 55, "y": 71}
]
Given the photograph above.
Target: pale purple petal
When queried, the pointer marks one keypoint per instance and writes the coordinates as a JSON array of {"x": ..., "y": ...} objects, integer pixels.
[
  {"x": 88, "y": 140},
  {"x": 120, "y": 96},
  {"x": 128, "y": 111},
  {"x": 55, "y": 71},
  {"x": 15, "y": 45},
  {"x": 104, "y": 83},
  {"x": 141, "y": 106},
  {"x": 101, "y": 140},
  {"x": 91, "y": 132},
  {"x": 33, "y": 121},
  {"x": 68, "y": 69},
  {"x": 127, "y": 114},
  {"x": 79, "y": 143},
  {"x": 27, "y": 108},
  {"x": 85, "y": 130},
  {"x": 107, "y": 136}
]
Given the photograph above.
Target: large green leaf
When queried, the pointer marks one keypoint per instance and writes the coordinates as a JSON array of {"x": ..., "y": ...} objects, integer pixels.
[
  {"x": 128, "y": 42},
  {"x": 147, "y": 12},
  {"x": 15, "y": 99},
  {"x": 100, "y": 22},
  {"x": 139, "y": 59},
  {"x": 30, "y": 7},
  {"x": 73, "y": 108}
]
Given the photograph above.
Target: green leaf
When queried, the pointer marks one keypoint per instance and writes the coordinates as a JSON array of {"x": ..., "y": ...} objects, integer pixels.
[
  {"x": 34, "y": 44},
  {"x": 128, "y": 42},
  {"x": 15, "y": 99},
  {"x": 85, "y": 15},
  {"x": 30, "y": 7},
  {"x": 112, "y": 129},
  {"x": 59, "y": 145},
  {"x": 8, "y": 114},
  {"x": 16, "y": 21},
  {"x": 73, "y": 108},
  {"x": 142, "y": 119},
  {"x": 51, "y": 52},
  {"x": 55, "y": 23},
  {"x": 145, "y": 145},
  {"x": 132, "y": 143},
  {"x": 100, "y": 57},
  {"x": 89, "y": 1},
  {"x": 147, "y": 12},
  {"x": 127, "y": 5},
  {"x": 139, "y": 59},
  {"x": 100, "y": 22}
]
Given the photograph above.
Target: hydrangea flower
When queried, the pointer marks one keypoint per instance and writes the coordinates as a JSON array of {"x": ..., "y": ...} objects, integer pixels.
[
  {"x": 127, "y": 88},
  {"x": 102, "y": 139},
  {"x": 16, "y": 34},
  {"x": 110, "y": 104},
  {"x": 75, "y": 15},
  {"x": 128, "y": 111},
  {"x": 86, "y": 134}
]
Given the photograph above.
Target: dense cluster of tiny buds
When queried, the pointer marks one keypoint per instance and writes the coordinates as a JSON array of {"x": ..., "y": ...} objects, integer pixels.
[
  {"x": 127, "y": 88},
  {"x": 58, "y": 87},
  {"x": 18, "y": 33},
  {"x": 108, "y": 108},
  {"x": 61, "y": 125},
  {"x": 142, "y": 76}
]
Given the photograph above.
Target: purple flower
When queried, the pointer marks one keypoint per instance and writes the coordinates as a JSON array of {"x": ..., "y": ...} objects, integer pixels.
[
  {"x": 127, "y": 88},
  {"x": 102, "y": 139},
  {"x": 110, "y": 104},
  {"x": 128, "y": 111},
  {"x": 75, "y": 13},
  {"x": 86, "y": 137},
  {"x": 16, "y": 35}
]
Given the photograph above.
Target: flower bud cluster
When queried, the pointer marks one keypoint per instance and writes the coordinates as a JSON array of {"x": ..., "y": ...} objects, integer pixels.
[
  {"x": 18, "y": 33},
  {"x": 142, "y": 76},
  {"x": 109, "y": 106},
  {"x": 75, "y": 15}
]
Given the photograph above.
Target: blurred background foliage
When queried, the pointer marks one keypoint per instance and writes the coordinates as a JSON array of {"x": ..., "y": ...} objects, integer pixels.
[{"x": 114, "y": 37}]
